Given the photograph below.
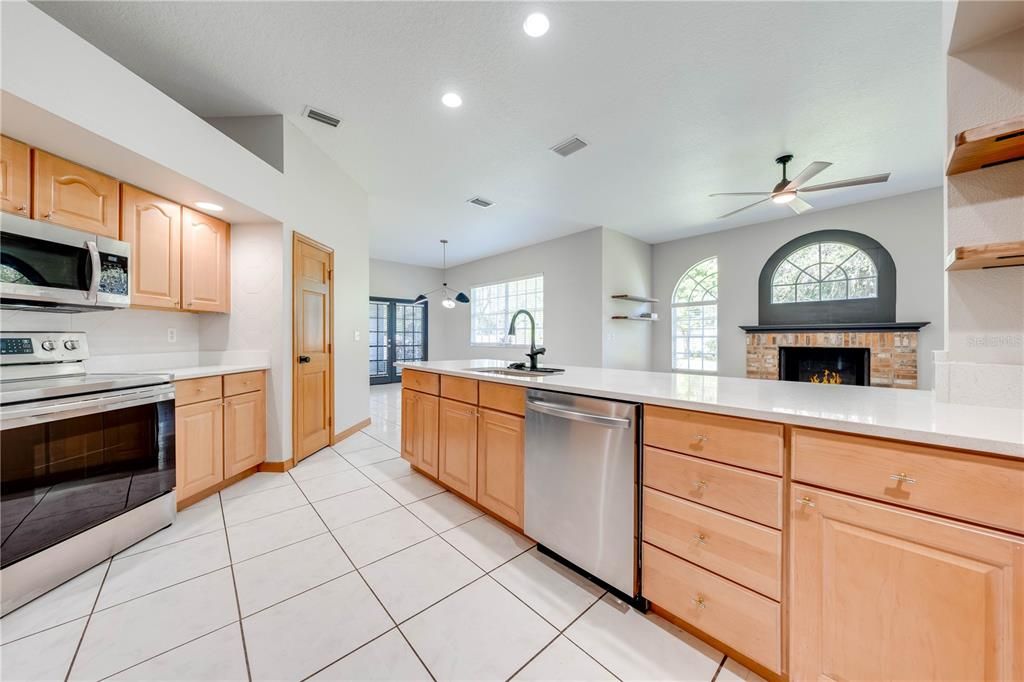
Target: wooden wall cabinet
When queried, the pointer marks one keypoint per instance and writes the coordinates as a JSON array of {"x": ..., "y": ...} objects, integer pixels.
[
  {"x": 500, "y": 476},
  {"x": 457, "y": 451},
  {"x": 221, "y": 427},
  {"x": 71, "y": 195},
  {"x": 879, "y": 593},
  {"x": 206, "y": 263},
  {"x": 15, "y": 177},
  {"x": 152, "y": 225}
]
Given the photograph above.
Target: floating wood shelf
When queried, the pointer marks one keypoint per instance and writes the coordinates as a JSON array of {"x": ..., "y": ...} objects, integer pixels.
[
  {"x": 631, "y": 297},
  {"x": 635, "y": 318},
  {"x": 982, "y": 256},
  {"x": 987, "y": 145}
]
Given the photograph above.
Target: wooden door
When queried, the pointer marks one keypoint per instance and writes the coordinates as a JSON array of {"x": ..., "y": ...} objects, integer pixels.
[
  {"x": 312, "y": 338},
  {"x": 410, "y": 427},
  {"x": 457, "y": 446},
  {"x": 152, "y": 225},
  {"x": 205, "y": 263},
  {"x": 879, "y": 593},
  {"x": 73, "y": 196},
  {"x": 199, "y": 447},
  {"x": 245, "y": 432},
  {"x": 427, "y": 416},
  {"x": 15, "y": 176},
  {"x": 500, "y": 465}
]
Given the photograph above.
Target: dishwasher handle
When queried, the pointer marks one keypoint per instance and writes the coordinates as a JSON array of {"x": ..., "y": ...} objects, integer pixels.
[{"x": 558, "y": 411}]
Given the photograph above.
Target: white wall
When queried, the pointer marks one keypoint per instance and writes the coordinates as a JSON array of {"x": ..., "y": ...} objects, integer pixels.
[
  {"x": 909, "y": 226},
  {"x": 572, "y": 300},
  {"x": 398, "y": 280},
  {"x": 984, "y": 358},
  {"x": 627, "y": 268}
]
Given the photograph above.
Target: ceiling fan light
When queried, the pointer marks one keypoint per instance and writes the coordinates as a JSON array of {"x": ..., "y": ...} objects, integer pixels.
[
  {"x": 783, "y": 197},
  {"x": 448, "y": 303}
]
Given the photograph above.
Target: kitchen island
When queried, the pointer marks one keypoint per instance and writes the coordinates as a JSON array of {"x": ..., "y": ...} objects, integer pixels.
[{"x": 813, "y": 531}]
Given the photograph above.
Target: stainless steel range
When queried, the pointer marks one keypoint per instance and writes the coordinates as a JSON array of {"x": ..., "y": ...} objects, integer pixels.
[{"x": 86, "y": 461}]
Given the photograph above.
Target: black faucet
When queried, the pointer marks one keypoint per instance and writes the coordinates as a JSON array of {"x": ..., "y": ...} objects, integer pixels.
[{"x": 534, "y": 351}]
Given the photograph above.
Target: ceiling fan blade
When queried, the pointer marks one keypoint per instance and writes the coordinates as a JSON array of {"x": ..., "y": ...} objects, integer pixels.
[
  {"x": 799, "y": 205},
  {"x": 808, "y": 173},
  {"x": 741, "y": 194},
  {"x": 742, "y": 209},
  {"x": 866, "y": 180}
]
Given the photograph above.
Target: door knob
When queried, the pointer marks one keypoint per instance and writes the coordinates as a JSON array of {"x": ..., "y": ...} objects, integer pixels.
[{"x": 303, "y": 359}]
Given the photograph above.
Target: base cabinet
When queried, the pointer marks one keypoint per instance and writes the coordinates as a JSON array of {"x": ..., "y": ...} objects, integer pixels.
[
  {"x": 500, "y": 471},
  {"x": 245, "y": 432},
  {"x": 199, "y": 447},
  {"x": 879, "y": 593},
  {"x": 419, "y": 430},
  {"x": 457, "y": 451}
]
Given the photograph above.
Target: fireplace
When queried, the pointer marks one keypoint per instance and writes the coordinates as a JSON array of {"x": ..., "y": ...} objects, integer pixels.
[{"x": 825, "y": 365}]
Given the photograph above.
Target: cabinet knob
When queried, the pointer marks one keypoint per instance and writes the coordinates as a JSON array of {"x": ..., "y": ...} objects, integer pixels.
[
  {"x": 700, "y": 485},
  {"x": 806, "y": 501},
  {"x": 23, "y": 209},
  {"x": 701, "y": 538},
  {"x": 699, "y": 602},
  {"x": 702, "y": 437},
  {"x": 903, "y": 478},
  {"x": 48, "y": 215}
]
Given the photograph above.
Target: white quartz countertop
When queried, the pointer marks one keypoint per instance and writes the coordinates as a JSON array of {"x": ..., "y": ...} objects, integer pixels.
[
  {"x": 198, "y": 371},
  {"x": 900, "y": 414}
]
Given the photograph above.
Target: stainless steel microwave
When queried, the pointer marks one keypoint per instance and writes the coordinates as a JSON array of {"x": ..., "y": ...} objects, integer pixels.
[{"x": 49, "y": 267}]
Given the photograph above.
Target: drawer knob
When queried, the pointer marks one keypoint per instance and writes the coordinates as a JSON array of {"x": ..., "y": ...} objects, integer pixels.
[
  {"x": 700, "y": 485},
  {"x": 699, "y": 602},
  {"x": 701, "y": 437},
  {"x": 903, "y": 478},
  {"x": 807, "y": 502},
  {"x": 23, "y": 209},
  {"x": 701, "y": 538}
]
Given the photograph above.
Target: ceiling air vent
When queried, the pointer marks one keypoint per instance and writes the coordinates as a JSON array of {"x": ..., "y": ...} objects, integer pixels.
[
  {"x": 570, "y": 146},
  {"x": 321, "y": 117},
  {"x": 481, "y": 202}
]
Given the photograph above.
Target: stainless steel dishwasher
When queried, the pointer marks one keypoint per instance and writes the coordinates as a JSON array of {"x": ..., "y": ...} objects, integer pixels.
[{"x": 581, "y": 491}]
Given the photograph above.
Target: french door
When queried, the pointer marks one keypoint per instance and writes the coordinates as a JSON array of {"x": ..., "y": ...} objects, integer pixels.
[{"x": 398, "y": 331}]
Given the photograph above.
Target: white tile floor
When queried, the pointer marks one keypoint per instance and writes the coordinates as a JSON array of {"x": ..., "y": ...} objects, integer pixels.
[{"x": 349, "y": 567}]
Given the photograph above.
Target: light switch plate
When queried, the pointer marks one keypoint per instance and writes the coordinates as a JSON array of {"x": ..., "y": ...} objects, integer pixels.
[{"x": 356, "y": 335}]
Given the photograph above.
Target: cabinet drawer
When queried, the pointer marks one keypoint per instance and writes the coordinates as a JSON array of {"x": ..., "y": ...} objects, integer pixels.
[
  {"x": 972, "y": 487},
  {"x": 456, "y": 388},
  {"x": 196, "y": 390},
  {"x": 743, "y": 442},
  {"x": 502, "y": 397},
  {"x": 739, "y": 550},
  {"x": 744, "y": 620},
  {"x": 744, "y": 493},
  {"x": 424, "y": 382},
  {"x": 246, "y": 382}
]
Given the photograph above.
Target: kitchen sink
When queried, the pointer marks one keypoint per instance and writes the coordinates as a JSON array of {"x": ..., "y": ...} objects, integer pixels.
[{"x": 506, "y": 371}]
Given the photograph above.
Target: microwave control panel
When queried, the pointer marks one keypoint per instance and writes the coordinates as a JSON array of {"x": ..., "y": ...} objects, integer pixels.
[{"x": 17, "y": 348}]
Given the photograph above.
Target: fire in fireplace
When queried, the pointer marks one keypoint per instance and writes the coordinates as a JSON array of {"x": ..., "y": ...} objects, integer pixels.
[{"x": 822, "y": 365}]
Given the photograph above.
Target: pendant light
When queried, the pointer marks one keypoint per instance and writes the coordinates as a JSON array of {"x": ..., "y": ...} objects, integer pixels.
[{"x": 448, "y": 301}]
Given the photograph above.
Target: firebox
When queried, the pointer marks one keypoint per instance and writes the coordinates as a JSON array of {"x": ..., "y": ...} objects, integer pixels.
[{"x": 825, "y": 365}]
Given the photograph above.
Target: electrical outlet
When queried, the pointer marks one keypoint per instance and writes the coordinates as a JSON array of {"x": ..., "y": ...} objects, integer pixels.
[
  {"x": 172, "y": 335},
  {"x": 356, "y": 335}
]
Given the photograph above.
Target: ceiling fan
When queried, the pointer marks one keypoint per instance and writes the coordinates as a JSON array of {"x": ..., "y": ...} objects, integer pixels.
[{"x": 786, "y": 191}]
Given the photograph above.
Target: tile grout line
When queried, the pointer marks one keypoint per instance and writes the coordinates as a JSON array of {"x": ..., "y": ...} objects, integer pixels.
[
  {"x": 81, "y": 638},
  {"x": 173, "y": 648},
  {"x": 375, "y": 596},
  {"x": 234, "y": 584},
  {"x": 718, "y": 670}
]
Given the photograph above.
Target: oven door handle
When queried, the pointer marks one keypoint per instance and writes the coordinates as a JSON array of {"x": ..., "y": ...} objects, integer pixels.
[
  {"x": 94, "y": 258},
  {"x": 41, "y": 412}
]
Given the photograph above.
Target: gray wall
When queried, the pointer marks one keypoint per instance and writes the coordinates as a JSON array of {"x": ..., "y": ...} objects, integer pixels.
[
  {"x": 261, "y": 135},
  {"x": 910, "y": 226},
  {"x": 627, "y": 268}
]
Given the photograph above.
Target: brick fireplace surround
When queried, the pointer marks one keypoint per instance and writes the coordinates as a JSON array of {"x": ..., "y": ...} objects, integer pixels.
[{"x": 893, "y": 353}]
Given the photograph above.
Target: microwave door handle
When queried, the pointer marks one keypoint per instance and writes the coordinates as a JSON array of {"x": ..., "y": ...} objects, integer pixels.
[
  {"x": 575, "y": 415},
  {"x": 94, "y": 282}
]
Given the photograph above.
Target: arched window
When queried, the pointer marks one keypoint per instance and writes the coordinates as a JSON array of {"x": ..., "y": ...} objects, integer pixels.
[
  {"x": 695, "y": 319},
  {"x": 825, "y": 271}
]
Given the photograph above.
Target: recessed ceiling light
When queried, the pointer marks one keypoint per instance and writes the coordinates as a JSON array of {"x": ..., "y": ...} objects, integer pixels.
[
  {"x": 452, "y": 100},
  {"x": 536, "y": 25},
  {"x": 207, "y": 206}
]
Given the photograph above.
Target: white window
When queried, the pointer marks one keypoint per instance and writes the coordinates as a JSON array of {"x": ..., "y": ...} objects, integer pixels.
[
  {"x": 825, "y": 271},
  {"x": 695, "y": 319},
  {"x": 492, "y": 307}
]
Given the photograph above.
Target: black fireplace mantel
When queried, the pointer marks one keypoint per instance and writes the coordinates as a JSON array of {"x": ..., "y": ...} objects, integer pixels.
[{"x": 836, "y": 327}]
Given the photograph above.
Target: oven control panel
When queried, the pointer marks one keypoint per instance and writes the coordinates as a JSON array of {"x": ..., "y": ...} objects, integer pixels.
[{"x": 20, "y": 348}]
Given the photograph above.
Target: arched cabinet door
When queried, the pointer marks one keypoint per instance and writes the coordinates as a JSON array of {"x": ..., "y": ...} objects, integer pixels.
[
  {"x": 206, "y": 263},
  {"x": 152, "y": 225},
  {"x": 74, "y": 196}
]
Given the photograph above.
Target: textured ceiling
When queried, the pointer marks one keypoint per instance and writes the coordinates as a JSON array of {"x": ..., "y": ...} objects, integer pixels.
[{"x": 677, "y": 100}]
